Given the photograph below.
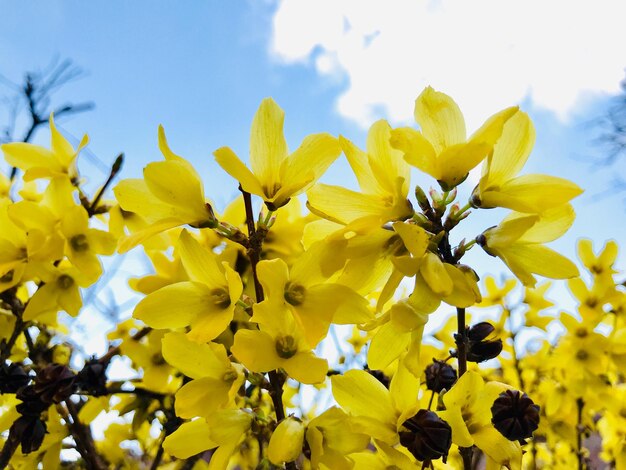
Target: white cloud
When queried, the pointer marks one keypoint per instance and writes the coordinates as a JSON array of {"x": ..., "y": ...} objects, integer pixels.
[{"x": 487, "y": 54}]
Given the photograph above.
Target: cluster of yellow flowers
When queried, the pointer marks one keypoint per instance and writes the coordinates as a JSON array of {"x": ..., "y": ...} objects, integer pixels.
[{"x": 239, "y": 309}]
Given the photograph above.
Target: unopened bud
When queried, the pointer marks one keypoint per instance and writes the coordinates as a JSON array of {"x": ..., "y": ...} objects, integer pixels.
[{"x": 422, "y": 200}]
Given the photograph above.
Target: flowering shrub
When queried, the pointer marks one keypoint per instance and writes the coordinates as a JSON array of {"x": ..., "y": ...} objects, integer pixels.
[{"x": 227, "y": 344}]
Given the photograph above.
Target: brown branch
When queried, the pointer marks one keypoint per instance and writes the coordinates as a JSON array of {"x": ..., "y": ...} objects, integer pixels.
[
  {"x": 9, "y": 448},
  {"x": 113, "y": 351},
  {"x": 115, "y": 168},
  {"x": 256, "y": 241},
  {"x": 82, "y": 436}
]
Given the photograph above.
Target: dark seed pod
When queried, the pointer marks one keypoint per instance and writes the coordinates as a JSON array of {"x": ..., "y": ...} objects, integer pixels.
[
  {"x": 30, "y": 431},
  {"x": 12, "y": 377},
  {"x": 515, "y": 415},
  {"x": 428, "y": 437},
  {"x": 55, "y": 383},
  {"x": 439, "y": 376},
  {"x": 92, "y": 378},
  {"x": 479, "y": 347},
  {"x": 31, "y": 402}
]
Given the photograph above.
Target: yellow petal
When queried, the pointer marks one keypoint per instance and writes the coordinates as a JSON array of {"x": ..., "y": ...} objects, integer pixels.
[
  {"x": 538, "y": 259},
  {"x": 417, "y": 150},
  {"x": 499, "y": 448},
  {"x": 491, "y": 131},
  {"x": 440, "y": 119},
  {"x": 415, "y": 238},
  {"x": 307, "y": 368},
  {"x": 231, "y": 164},
  {"x": 386, "y": 162},
  {"x": 532, "y": 193},
  {"x": 174, "y": 306},
  {"x": 267, "y": 144},
  {"x": 389, "y": 342},
  {"x": 511, "y": 151},
  {"x": 455, "y": 162},
  {"x": 343, "y": 205},
  {"x": 309, "y": 162},
  {"x": 358, "y": 161},
  {"x": 175, "y": 183},
  {"x": 189, "y": 439},
  {"x": 256, "y": 350},
  {"x": 201, "y": 397},
  {"x": 193, "y": 359},
  {"x": 200, "y": 263},
  {"x": 360, "y": 394},
  {"x": 435, "y": 274},
  {"x": 552, "y": 224}
]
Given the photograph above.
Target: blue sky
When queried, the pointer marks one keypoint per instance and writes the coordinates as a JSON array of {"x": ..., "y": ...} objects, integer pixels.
[{"x": 201, "y": 70}]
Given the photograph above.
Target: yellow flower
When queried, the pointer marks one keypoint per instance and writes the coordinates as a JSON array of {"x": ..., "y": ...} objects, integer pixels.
[
  {"x": 170, "y": 195},
  {"x": 330, "y": 443},
  {"x": 277, "y": 176},
  {"x": 60, "y": 291},
  {"x": 303, "y": 290},
  {"x": 383, "y": 178},
  {"x": 518, "y": 242},
  {"x": 442, "y": 149},
  {"x": 279, "y": 344},
  {"x": 39, "y": 162},
  {"x": 206, "y": 302},
  {"x": 215, "y": 379},
  {"x": 468, "y": 412},
  {"x": 83, "y": 244},
  {"x": 500, "y": 187},
  {"x": 223, "y": 431}
]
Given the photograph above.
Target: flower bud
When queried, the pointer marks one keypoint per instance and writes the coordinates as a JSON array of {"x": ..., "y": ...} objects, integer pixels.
[
  {"x": 439, "y": 376},
  {"x": 428, "y": 437},
  {"x": 422, "y": 200},
  {"x": 515, "y": 415},
  {"x": 54, "y": 383},
  {"x": 286, "y": 441}
]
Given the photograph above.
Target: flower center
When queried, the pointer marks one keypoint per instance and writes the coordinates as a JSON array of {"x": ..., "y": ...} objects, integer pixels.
[
  {"x": 65, "y": 282},
  {"x": 79, "y": 242},
  {"x": 294, "y": 294},
  {"x": 286, "y": 346},
  {"x": 220, "y": 298}
]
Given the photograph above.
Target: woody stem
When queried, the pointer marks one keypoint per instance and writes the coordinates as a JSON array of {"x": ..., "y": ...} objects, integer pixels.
[
  {"x": 461, "y": 352},
  {"x": 254, "y": 250}
]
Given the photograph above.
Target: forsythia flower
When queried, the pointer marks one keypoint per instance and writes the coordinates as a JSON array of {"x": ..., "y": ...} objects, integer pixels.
[
  {"x": 442, "y": 149},
  {"x": 206, "y": 302},
  {"x": 277, "y": 176},
  {"x": 500, "y": 187},
  {"x": 518, "y": 242},
  {"x": 383, "y": 178},
  {"x": 280, "y": 343},
  {"x": 39, "y": 162},
  {"x": 170, "y": 195}
]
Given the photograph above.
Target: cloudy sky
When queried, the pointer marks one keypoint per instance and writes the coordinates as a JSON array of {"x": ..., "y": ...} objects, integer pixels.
[{"x": 334, "y": 66}]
